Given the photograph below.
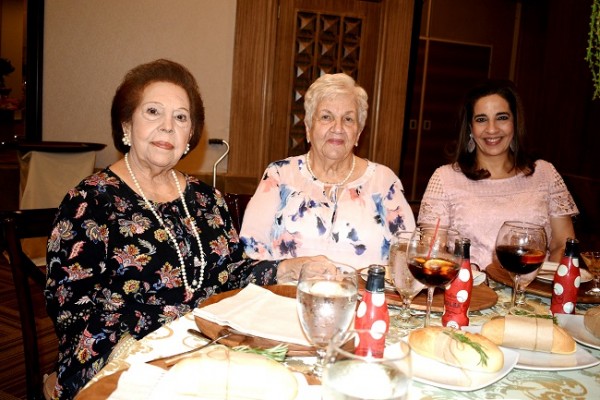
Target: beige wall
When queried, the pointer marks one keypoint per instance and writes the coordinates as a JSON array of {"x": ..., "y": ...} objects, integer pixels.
[{"x": 89, "y": 46}]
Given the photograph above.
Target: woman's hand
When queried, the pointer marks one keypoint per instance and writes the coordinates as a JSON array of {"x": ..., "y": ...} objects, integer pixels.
[{"x": 289, "y": 270}]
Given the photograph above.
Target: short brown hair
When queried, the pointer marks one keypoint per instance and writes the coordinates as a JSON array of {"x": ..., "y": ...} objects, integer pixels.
[{"x": 129, "y": 95}]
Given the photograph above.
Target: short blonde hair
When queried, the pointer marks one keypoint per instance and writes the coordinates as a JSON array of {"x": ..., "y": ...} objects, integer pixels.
[{"x": 331, "y": 85}]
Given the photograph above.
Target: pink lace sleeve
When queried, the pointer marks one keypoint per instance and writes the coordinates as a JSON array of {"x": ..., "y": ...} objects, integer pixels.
[
  {"x": 435, "y": 202},
  {"x": 561, "y": 201}
]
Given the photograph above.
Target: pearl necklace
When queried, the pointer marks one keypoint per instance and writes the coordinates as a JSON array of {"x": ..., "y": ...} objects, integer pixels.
[
  {"x": 196, "y": 284},
  {"x": 341, "y": 183}
]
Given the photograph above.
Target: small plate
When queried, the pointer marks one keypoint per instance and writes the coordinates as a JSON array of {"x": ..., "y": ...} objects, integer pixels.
[
  {"x": 573, "y": 324},
  {"x": 546, "y": 273},
  {"x": 540, "y": 361},
  {"x": 435, "y": 373}
]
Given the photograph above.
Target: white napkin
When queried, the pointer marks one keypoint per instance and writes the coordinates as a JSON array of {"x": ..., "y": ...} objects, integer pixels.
[
  {"x": 259, "y": 312},
  {"x": 478, "y": 277}
]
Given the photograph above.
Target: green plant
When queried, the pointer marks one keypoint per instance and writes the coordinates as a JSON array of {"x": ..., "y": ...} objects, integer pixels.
[
  {"x": 593, "y": 50},
  {"x": 6, "y": 68}
]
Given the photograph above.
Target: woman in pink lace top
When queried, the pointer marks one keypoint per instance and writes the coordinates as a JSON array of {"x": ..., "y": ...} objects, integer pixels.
[{"x": 493, "y": 180}]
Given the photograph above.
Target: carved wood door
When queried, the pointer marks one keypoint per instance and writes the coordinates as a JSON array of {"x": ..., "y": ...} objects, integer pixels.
[
  {"x": 281, "y": 46},
  {"x": 316, "y": 37}
]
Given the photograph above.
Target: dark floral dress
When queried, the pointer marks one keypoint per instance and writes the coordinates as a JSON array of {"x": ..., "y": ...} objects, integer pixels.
[{"x": 112, "y": 269}]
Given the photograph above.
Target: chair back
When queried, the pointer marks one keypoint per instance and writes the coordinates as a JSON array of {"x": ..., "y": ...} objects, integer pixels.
[
  {"x": 236, "y": 203},
  {"x": 17, "y": 225}
]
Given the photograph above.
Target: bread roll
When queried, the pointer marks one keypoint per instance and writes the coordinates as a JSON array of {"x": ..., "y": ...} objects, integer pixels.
[
  {"x": 591, "y": 320},
  {"x": 443, "y": 344},
  {"x": 529, "y": 333},
  {"x": 221, "y": 373}
]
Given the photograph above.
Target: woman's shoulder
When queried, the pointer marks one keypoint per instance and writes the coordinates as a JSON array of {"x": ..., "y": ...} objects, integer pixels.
[
  {"x": 287, "y": 162},
  {"x": 202, "y": 190},
  {"x": 449, "y": 172},
  {"x": 544, "y": 166}
]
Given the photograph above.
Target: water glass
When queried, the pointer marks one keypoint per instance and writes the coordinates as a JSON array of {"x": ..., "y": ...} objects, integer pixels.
[
  {"x": 347, "y": 376},
  {"x": 326, "y": 303},
  {"x": 405, "y": 283}
]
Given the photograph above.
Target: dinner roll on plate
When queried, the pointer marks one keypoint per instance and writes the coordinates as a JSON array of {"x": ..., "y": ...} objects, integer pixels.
[
  {"x": 466, "y": 350},
  {"x": 529, "y": 333},
  {"x": 591, "y": 321},
  {"x": 221, "y": 373}
]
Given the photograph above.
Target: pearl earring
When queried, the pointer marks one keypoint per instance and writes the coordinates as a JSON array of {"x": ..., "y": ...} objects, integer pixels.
[
  {"x": 187, "y": 149},
  {"x": 126, "y": 139}
]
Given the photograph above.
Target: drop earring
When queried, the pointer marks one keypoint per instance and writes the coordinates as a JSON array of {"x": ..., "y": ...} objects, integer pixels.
[
  {"x": 126, "y": 139},
  {"x": 471, "y": 144},
  {"x": 512, "y": 146},
  {"x": 187, "y": 149}
]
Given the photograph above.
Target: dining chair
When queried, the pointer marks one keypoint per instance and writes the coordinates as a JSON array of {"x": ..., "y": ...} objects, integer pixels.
[
  {"x": 236, "y": 203},
  {"x": 16, "y": 226}
]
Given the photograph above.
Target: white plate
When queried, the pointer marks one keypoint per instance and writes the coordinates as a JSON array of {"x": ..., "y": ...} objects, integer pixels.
[
  {"x": 548, "y": 269},
  {"x": 540, "y": 361},
  {"x": 573, "y": 324},
  {"x": 435, "y": 373}
]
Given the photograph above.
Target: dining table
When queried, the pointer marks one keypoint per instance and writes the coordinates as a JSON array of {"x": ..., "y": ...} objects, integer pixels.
[{"x": 579, "y": 382}]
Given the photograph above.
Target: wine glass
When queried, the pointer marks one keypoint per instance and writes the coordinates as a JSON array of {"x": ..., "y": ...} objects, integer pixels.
[
  {"x": 326, "y": 303},
  {"x": 521, "y": 250},
  {"x": 348, "y": 375},
  {"x": 592, "y": 260},
  {"x": 405, "y": 283},
  {"x": 521, "y": 300},
  {"x": 432, "y": 259}
]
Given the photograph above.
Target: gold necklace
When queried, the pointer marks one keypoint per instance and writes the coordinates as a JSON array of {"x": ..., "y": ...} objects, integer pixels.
[{"x": 341, "y": 183}]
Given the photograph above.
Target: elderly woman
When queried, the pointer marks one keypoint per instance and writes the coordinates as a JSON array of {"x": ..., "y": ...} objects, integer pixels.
[
  {"x": 493, "y": 179},
  {"x": 328, "y": 201},
  {"x": 139, "y": 243}
]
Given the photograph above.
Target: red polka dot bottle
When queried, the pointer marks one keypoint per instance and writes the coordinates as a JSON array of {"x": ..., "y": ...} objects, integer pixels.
[
  {"x": 457, "y": 297},
  {"x": 567, "y": 280},
  {"x": 372, "y": 314}
]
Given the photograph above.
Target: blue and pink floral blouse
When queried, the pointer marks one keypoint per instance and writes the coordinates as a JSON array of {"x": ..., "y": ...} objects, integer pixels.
[
  {"x": 112, "y": 269},
  {"x": 292, "y": 214}
]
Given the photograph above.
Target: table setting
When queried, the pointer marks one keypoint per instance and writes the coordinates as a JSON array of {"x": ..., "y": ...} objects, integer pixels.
[{"x": 320, "y": 360}]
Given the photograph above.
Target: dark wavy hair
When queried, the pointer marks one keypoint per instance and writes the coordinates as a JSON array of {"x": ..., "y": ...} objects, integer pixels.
[
  {"x": 129, "y": 95},
  {"x": 467, "y": 162}
]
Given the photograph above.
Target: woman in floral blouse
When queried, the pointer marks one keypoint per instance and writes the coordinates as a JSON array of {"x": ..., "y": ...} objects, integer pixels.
[
  {"x": 139, "y": 244},
  {"x": 328, "y": 201}
]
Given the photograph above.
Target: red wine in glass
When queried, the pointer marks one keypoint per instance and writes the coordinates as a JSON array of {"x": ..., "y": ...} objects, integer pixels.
[
  {"x": 433, "y": 272},
  {"x": 518, "y": 259},
  {"x": 521, "y": 250}
]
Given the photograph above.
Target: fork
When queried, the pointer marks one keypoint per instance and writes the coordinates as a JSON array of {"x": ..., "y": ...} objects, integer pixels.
[{"x": 172, "y": 359}]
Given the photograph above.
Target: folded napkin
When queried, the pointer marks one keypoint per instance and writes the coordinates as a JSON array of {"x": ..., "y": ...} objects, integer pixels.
[
  {"x": 259, "y": 312},
  {"x": 478, "y": 278}
]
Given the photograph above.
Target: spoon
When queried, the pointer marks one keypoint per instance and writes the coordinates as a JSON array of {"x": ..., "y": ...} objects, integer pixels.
[{"x": 172, "y": 359}]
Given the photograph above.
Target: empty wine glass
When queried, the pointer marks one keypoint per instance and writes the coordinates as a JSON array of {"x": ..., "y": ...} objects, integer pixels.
[
  {"x": 405, "y": 283},
  {"x": 432, "y": 259},
  {"x": 349, "y": 376},
  {"x": 592, "y": 260},
  {"x": 326, "y": 300},
  {"x": 521, "y": 250}
]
